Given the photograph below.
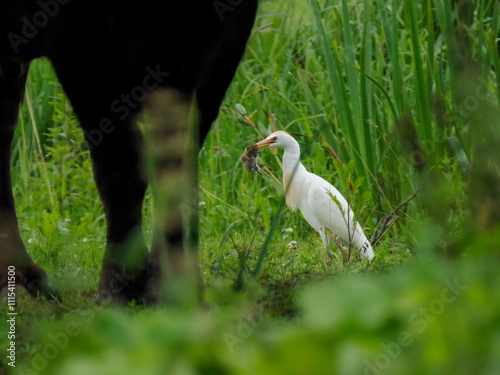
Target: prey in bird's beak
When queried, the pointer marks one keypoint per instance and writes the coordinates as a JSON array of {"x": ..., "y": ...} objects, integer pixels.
[
  {"x": 249, "y": 159},
  {"x": 266, "y": 142}
]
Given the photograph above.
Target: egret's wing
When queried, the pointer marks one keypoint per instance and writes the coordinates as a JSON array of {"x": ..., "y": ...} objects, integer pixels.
[
  {"x": 355, "y": 234},
  {"x": 321, "y": 211},
  {"x": 323, "y": 206}
]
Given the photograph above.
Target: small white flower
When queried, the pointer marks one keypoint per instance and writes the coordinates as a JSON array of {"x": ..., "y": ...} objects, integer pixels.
[
  {"x": 202, "y": 204},
  {"x": 289, "y": 230},
  {"x": 292, "y": 245}
]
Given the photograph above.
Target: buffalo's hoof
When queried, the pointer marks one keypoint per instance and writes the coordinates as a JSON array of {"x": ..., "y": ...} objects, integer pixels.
[{"x": 31, "y": 278}]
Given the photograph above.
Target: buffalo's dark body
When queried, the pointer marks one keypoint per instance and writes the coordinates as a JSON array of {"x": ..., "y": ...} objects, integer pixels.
[{"x": 106, "y": 55}]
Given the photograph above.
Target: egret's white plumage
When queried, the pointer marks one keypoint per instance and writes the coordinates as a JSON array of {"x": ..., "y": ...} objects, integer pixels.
[{"x": 313, "y": 196}]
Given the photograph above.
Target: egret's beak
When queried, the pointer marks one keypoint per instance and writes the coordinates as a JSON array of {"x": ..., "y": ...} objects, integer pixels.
[{"x": 265, "y": 143}]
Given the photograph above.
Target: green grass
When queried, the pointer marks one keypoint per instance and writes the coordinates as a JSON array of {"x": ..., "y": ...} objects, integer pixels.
[{"x": 406, "y": 94}]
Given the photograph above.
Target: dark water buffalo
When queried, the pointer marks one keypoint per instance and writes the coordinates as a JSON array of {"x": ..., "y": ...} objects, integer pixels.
[{"x": 115, "y": 59}]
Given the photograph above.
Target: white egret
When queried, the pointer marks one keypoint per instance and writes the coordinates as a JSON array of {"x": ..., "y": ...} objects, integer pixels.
[{"x": 314, "y": 197}]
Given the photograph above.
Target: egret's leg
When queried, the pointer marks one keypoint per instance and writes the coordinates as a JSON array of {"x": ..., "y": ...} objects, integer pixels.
[{"x": 326, "y": 241}]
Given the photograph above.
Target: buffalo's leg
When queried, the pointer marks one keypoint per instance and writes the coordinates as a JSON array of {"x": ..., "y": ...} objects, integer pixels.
[
  {"x": 125, "y": 272},
  {"x": 116, "y": 145}
]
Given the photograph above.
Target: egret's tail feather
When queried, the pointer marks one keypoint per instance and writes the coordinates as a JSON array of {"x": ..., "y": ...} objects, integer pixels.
[{"x": 366, "y": 251}]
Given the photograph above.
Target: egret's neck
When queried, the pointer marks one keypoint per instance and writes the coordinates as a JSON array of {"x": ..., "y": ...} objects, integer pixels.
[
  {"x": 292, "y": 167},
  {"x": 291, "y": 158}
]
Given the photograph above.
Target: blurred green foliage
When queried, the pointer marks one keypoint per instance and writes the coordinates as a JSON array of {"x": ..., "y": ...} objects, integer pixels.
[{"x": 425, "y": 318}]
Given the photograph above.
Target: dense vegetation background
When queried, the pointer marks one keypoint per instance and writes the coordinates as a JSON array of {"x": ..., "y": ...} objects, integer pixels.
[{"x": 390, "y": 97}]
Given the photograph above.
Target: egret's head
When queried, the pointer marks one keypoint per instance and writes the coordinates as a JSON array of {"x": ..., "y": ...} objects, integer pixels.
[{"x": 279, "y": 139}]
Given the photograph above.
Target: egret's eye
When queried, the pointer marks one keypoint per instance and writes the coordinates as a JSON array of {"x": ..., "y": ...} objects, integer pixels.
[{"x": 275, "y": 139}]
